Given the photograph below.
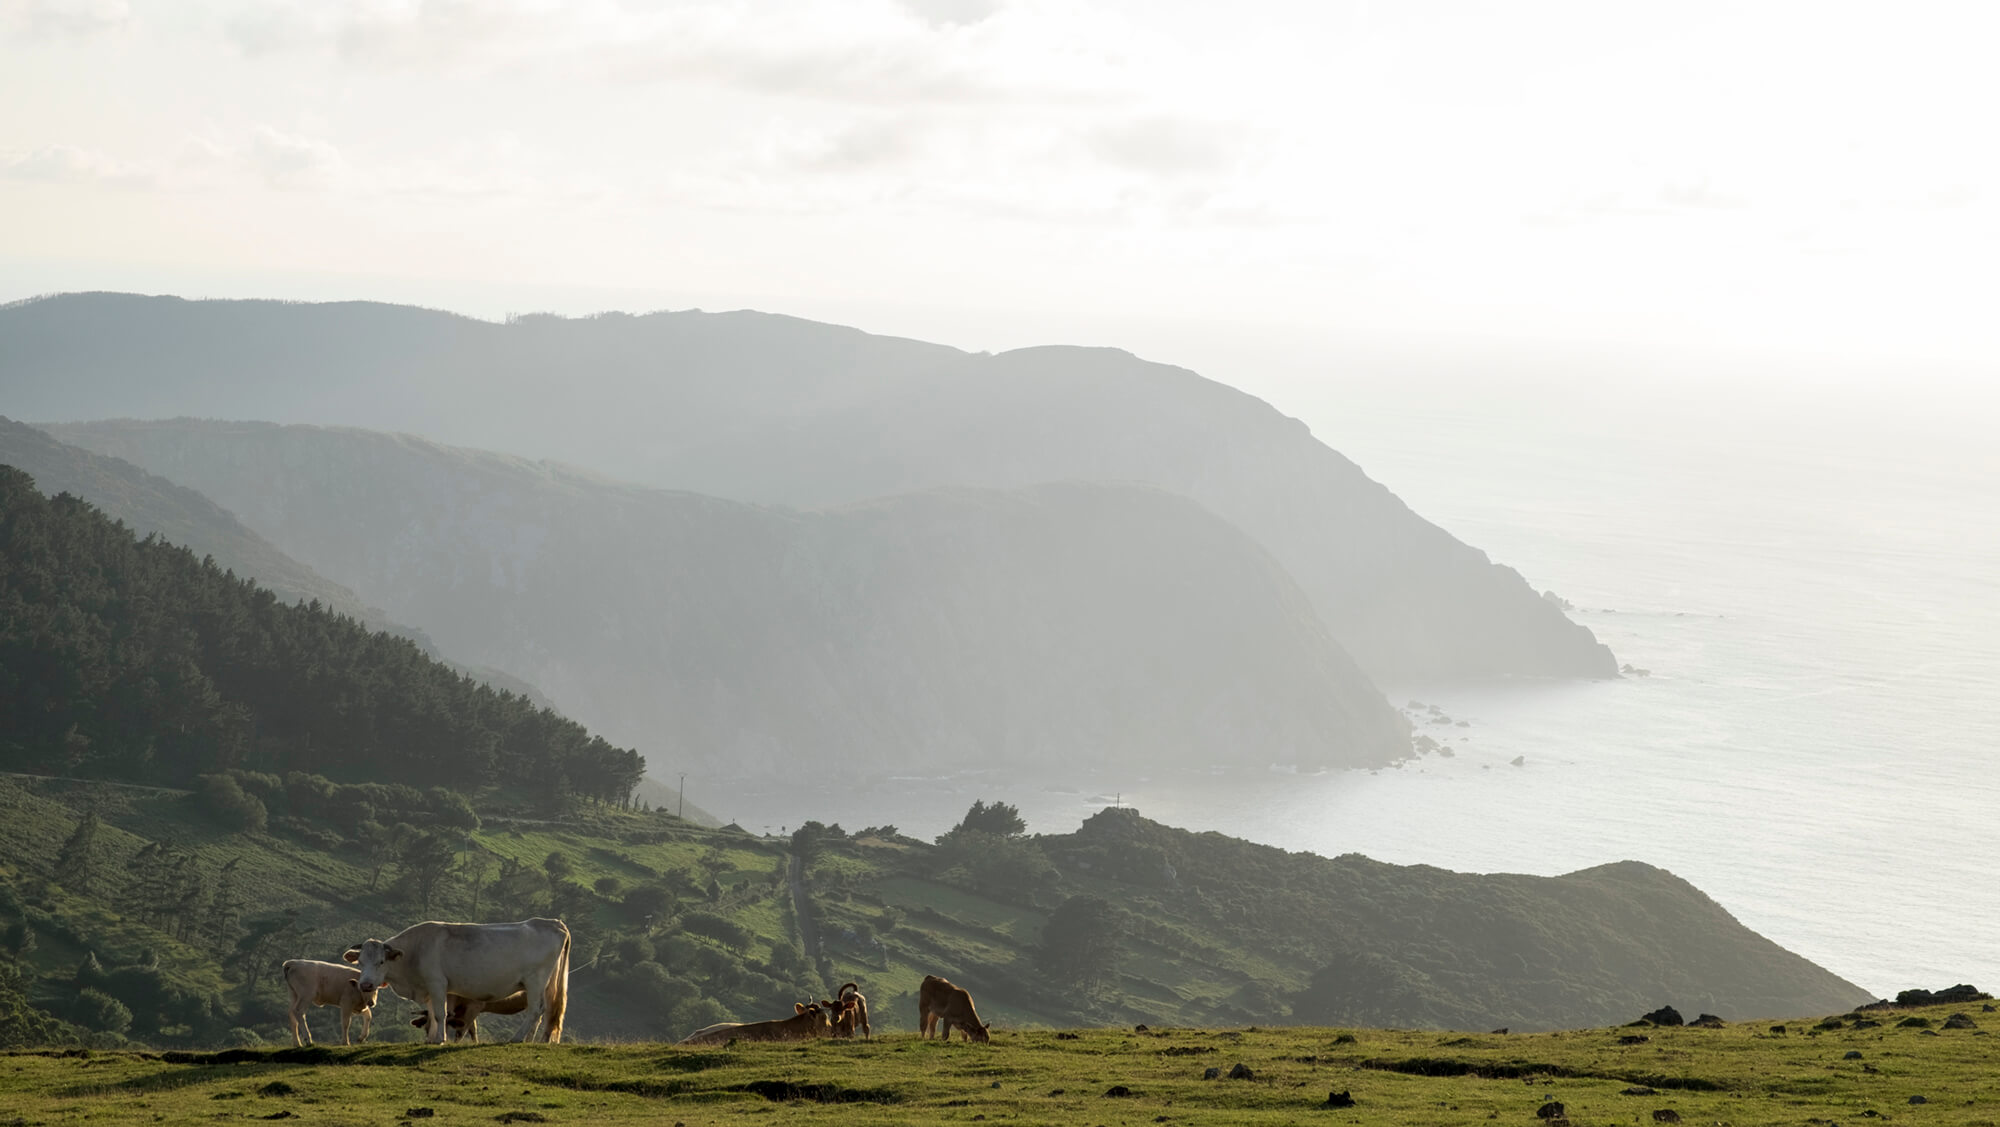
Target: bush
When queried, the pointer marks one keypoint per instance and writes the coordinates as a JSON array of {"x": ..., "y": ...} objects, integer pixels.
[
  {"x": 99, "y": 1011},
  {"x": 228, "y": 804}
]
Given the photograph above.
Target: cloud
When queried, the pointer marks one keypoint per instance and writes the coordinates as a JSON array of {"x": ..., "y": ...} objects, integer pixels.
[
  {"x": 65, "y": 19},
  {"x": 292, "y": 161},
  {"x": 952, "y": 13},
  {"x": 68, "y": 164},
  {"x": 1169, "y": 146}
]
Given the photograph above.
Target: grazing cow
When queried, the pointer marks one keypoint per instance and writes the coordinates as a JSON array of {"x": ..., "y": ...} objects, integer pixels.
[
  {"x": 429, "y": 962},
  {"x": 462, "y": 1023},
  {"x": 940, "y": 1005},
  {"x": 850, "y": 1012},
  {"x": 806, "y": 1022},
  {"x": 314, "y": 983}
]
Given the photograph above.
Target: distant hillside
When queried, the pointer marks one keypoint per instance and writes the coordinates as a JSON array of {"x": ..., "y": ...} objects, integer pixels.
[
  {"x": 182, "y": 920},
  {"x": 773, "y": 409},
  {"x": 1069, "y": 623},
  {"x": 135, "y": 661},
  {"x": 153, "y": 506}
]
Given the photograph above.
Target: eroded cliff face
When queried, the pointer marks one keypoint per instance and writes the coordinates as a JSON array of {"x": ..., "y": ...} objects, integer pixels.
[
  {"x": 1066, "y": 623},
  {"x": 773, "y": 409}
]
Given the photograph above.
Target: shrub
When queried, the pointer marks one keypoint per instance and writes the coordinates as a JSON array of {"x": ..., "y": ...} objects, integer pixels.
[{"x": 99, "y": 1011}]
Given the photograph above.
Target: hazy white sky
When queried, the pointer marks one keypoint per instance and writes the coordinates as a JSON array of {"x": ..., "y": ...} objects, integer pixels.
[{"x": 1200, "y": 182}]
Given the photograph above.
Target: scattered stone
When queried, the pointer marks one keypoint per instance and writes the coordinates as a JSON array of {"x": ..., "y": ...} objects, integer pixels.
[
  {"x": 1866, "y": 1023},
  {"x": 285, "y": 1114},
  {"x": 1666, "y": 1115},
  {"x": 1067, "y": 1036},
  {"x": 522, "y": 1117},
  {"x": 1866, "y": 1067},
  {"x": 1211, "y": 1073},
  {"x": 420, "y": 1112},
  {"x": 996, "y": 1083},
  {"x": 1634, "y": 1039},
  {"x": 1665, "y": 1015},
  {"x": 1551, "y": 1110},
  {"x": 277, "y": 1088},
  {"x": 1832, "y": 1023},
  {"x": 1927, "y": 1032},
  {"x": 1707, "y": 1021},
  {"x": 1851, "y": 1054},
  {"x": 1987, "y": 1008},
  {"x": 1502, "y": 1029},
  {"x": 1140, "y": 1029},
  {"x": 1778, "y": 1029},
  {"x": 1117, "y": 1092},
  {"x": 1344, "y": 1039},
  {"x": 1339, "y": 1099},
  {"x": 1960, "y": 1021},
  {"x": 1638, "y": 1090},
  {"x": 1239, "y": 1072},
  {"x": 1914, "y": 1022},
  {"x": 1918, "y": 1100},
  {"x": 1057, "y": 1091}
]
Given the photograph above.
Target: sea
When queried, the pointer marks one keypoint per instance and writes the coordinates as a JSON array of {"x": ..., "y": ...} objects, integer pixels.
[{"x": 1805, "y": 583}]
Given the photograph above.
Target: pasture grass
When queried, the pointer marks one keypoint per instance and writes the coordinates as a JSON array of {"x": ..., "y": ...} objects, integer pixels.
[{"x": 1740, "y": 1075}]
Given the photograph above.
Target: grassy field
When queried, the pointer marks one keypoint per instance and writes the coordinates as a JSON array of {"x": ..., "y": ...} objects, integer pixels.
[{"x": 1742, "y": 1074}]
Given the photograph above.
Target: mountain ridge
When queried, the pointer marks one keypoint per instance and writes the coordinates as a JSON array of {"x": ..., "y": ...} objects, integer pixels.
[{"x": 766, "y": 408}]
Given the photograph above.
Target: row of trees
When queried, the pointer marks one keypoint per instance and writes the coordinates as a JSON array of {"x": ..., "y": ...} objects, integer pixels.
[{"x": 130, "y": 659}]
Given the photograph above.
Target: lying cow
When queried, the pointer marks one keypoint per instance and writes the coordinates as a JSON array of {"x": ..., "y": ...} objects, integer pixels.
[
  {"x": 940, "y": 1006},
  {"x": 850, "y": 1012},
  {"x": 430, "y": 962},
  {"x": 806, "y": 1023},
  {"x": 462, "y": 1022},
  {"x": 314, "y": 983}
]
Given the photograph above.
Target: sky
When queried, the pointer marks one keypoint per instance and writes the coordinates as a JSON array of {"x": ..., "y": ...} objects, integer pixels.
[{"x": 1256, "y": 187}]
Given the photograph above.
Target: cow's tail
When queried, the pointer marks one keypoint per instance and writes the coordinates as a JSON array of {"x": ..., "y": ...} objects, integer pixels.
[{"x": 557, "y": 999}]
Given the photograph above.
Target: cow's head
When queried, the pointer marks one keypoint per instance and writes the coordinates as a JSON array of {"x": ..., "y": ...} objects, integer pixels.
[
  {"x": 816, "y": 1015},
  {"x": 978, "y": 1032},
  {"x": 371, "y": 957}
]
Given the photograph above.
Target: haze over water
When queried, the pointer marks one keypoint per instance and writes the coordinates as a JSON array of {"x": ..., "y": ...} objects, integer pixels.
[{"x": 1814, "y": 585}]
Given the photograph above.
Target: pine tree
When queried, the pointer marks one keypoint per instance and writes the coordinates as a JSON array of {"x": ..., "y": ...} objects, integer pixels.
[{"x": 75, "y": 865}]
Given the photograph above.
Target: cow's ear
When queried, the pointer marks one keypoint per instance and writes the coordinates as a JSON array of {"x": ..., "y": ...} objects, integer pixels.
[
  {"x": 799, "y": 1007},
  {"x": 352, "y": 954},
  {"x": 390, "y": 953}
]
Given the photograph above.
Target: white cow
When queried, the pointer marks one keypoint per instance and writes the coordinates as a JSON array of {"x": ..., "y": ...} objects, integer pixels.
[
  {"x": 430, "y": 962},
  {"x": 314, "y": 983}
]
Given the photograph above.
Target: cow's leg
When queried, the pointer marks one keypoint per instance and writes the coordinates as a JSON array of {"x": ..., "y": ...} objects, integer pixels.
[
  {"x": 536, "y": 983},
  {"x": 437, "y": 1009},
  {"x": 298, "y": 1016},
  {"x": 367, "y": 1024}
]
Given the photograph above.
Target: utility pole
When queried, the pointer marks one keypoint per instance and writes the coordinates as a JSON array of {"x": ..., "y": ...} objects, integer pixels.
[{"x": 682, "y": 812}]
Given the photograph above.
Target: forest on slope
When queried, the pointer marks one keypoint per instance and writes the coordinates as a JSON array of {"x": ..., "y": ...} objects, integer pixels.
[{"x": 130, "y": 659}]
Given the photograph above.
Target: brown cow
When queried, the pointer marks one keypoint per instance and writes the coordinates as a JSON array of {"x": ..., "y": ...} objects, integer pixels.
[
  {"x": 941, "y": 1005},
  {"x": 807, "y": 1022},
  {"x": 314, "y": 983},
  {"x": 462, "y": 1024},
  {"x": 850, "y": 1012}
]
